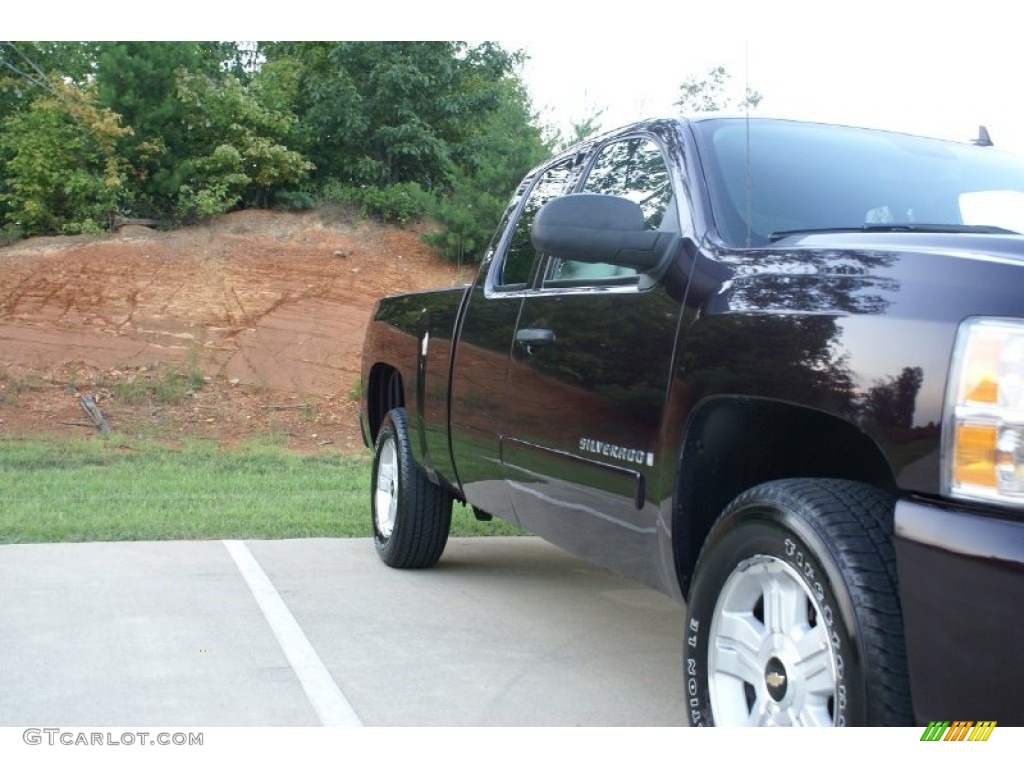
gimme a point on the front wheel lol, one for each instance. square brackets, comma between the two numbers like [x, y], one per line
[794, 615]
[411, 515]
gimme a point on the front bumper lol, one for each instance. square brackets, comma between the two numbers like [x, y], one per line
[962, 586]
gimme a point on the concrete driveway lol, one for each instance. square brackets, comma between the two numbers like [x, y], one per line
[504, 631]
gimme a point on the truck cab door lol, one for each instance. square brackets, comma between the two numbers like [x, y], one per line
[480, 367]
[590, 371]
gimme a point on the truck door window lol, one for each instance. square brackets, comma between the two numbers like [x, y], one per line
[519, 253]
[634, 169]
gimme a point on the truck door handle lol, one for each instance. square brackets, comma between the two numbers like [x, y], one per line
[528, 337]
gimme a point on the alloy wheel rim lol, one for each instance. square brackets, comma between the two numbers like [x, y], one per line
[770, 657]
[385, 501]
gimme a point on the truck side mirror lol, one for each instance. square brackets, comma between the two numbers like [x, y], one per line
[599, 229]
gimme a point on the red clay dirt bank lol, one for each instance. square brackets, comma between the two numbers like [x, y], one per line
[270, 308]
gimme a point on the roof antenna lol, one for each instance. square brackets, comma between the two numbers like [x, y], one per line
[746, 119]
[983, 140]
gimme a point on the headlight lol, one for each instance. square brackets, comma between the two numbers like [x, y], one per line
[983, 439]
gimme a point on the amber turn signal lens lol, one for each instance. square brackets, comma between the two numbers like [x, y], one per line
[974, 460]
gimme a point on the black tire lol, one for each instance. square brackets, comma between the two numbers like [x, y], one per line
[411, 515]
[794, 614]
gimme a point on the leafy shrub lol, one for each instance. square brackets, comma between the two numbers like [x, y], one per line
[394, 203]
[398, 202]
[61, 170]
[294, 200]
[212, 199]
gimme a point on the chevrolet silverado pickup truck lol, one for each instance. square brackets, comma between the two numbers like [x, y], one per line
[774, 369]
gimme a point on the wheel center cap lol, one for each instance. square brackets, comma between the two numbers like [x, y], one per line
[776, 679]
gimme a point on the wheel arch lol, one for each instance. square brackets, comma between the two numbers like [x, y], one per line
[732, 444]
[385, 390]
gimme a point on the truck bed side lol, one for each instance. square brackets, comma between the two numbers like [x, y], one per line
[407, 363]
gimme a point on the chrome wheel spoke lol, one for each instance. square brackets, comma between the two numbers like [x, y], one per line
[814, 717]
[785, 604]
[815, 664]
[738, 640]
[761, 715]
[738, 662]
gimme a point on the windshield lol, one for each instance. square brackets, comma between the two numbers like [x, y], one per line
[768, 178]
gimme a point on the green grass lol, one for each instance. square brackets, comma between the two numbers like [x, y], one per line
[122, 490]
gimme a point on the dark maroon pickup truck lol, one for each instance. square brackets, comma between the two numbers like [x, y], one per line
[773, 369]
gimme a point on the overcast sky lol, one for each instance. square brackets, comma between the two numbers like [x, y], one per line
[935, 68]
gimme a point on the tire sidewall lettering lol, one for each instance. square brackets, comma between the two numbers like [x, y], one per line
[801, 562]
[693, 672]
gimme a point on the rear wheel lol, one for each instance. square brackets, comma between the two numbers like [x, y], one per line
[794, 615]
[411, 515]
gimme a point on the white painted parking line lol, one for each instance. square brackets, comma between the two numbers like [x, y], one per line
[323, 693]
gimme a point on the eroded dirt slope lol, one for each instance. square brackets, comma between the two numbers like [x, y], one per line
[270, 308]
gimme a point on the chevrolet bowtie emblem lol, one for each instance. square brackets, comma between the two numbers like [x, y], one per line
[774, 679]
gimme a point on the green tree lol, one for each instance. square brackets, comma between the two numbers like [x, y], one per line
[508, 145]
[238, 146]
[27, 67]
[139, 81]
[710, 93]
[378, 113]
[397, 125]
[186, 128]
[62, 171]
